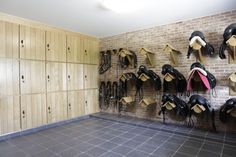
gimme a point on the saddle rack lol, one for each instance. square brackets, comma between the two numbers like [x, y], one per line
[198, 108]
[144, 77]
[147, 102]
[197, 45]
[127, 100]
[231, 42]
[169, 105]
[232, 84]
[150, 59]
[173, 54]
[126, 53]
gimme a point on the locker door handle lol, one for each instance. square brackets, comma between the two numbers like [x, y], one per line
[23, 78]
[23, 113]
[49, 110]
[48, 47]
[85, 76]
[68, 77]
[69, 106]
[85, 52]
[22, 43]
[68, 49]
[48, 78]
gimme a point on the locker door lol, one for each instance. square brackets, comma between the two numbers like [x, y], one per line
[75, 76]
[55, 46]
[9, 37]
[74, 49]
[91, 101]
[9, 77]
[56, 76]
[9, 114]
[91, 51]
[56, 106]
[32, 77]
[32, 43]
[91, 76]
[33, 110]
[76, 105]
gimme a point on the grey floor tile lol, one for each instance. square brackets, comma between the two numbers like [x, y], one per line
[193, 143]
[136, 153]
[15, 153]
[128, 135]
[204, 153]
[132, 143]
[33, 149]
[111, 154]
[96, 151]
[178, 154]
[146, 148]
[122, 150]
[118, 140]
[163, 153]
[45, 153]
[229, 151]
[213, 147]
[96, 141]
[58, 148]
[71, 152]
[171, 146]
[108, 145]
[188, 150]
[82, 147]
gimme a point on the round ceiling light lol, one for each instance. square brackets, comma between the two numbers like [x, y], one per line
[122, 6]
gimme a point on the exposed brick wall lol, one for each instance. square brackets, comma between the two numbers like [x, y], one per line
[177, 34]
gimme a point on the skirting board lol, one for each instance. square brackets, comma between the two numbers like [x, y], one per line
[44, 127]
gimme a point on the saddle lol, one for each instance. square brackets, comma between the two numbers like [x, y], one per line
[199, 105]
[173, 80]
[105, 64]
[206, 47]
[172, 102]
[228, 33]
[143, 75]
[199, 78]
[127, 58]
[228, 110]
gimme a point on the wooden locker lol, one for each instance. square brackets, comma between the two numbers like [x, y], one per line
[9, 76]
[91, 51]
[32, 43]
[74, 49]
[56, 106]
[76, 104]
[75, 77]
[32, 77]
[9, 37]
[33, 110]
[91, 101]
[90, 76]
[9, 114]
[56, 76]
[55, 46]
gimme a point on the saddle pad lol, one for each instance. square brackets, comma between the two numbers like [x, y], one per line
[199, 69]
[203, 78]
[195, 39]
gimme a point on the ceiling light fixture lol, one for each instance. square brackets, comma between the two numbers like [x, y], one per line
[122, 6]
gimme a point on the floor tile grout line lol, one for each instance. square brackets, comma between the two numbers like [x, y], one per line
[179, 147]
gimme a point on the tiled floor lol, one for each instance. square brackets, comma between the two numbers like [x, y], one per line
[105, 135]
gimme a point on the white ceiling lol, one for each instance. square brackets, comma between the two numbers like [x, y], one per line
[89, 17]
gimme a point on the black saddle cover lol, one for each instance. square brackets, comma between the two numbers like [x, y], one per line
[224, 114]
[179, 84]
[181, 109]
[207, 50]
[228, 33]
[200, 100]
[150, 73]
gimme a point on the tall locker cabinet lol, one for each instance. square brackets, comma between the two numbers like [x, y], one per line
[9, 78]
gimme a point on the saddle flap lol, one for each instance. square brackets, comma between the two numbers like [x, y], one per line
[232, 41]
[197, 108]
[168, 77]
[147, 101]
[169, 105]
[127, 100]
[144, 77]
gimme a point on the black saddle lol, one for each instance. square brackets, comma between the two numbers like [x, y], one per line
[207, 50]
[199, 100]
[179, 84]
[228, 33]
[226, 108]
[181, 108]
[153, 77]
[105, 64]
[210, 77]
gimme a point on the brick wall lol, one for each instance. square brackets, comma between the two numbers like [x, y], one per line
[177, 34]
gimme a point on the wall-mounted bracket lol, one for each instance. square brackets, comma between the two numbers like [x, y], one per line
[147, 102]
[173, 54]
[197, 43]
[149, 56]
[127, 100]
[231, 42]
